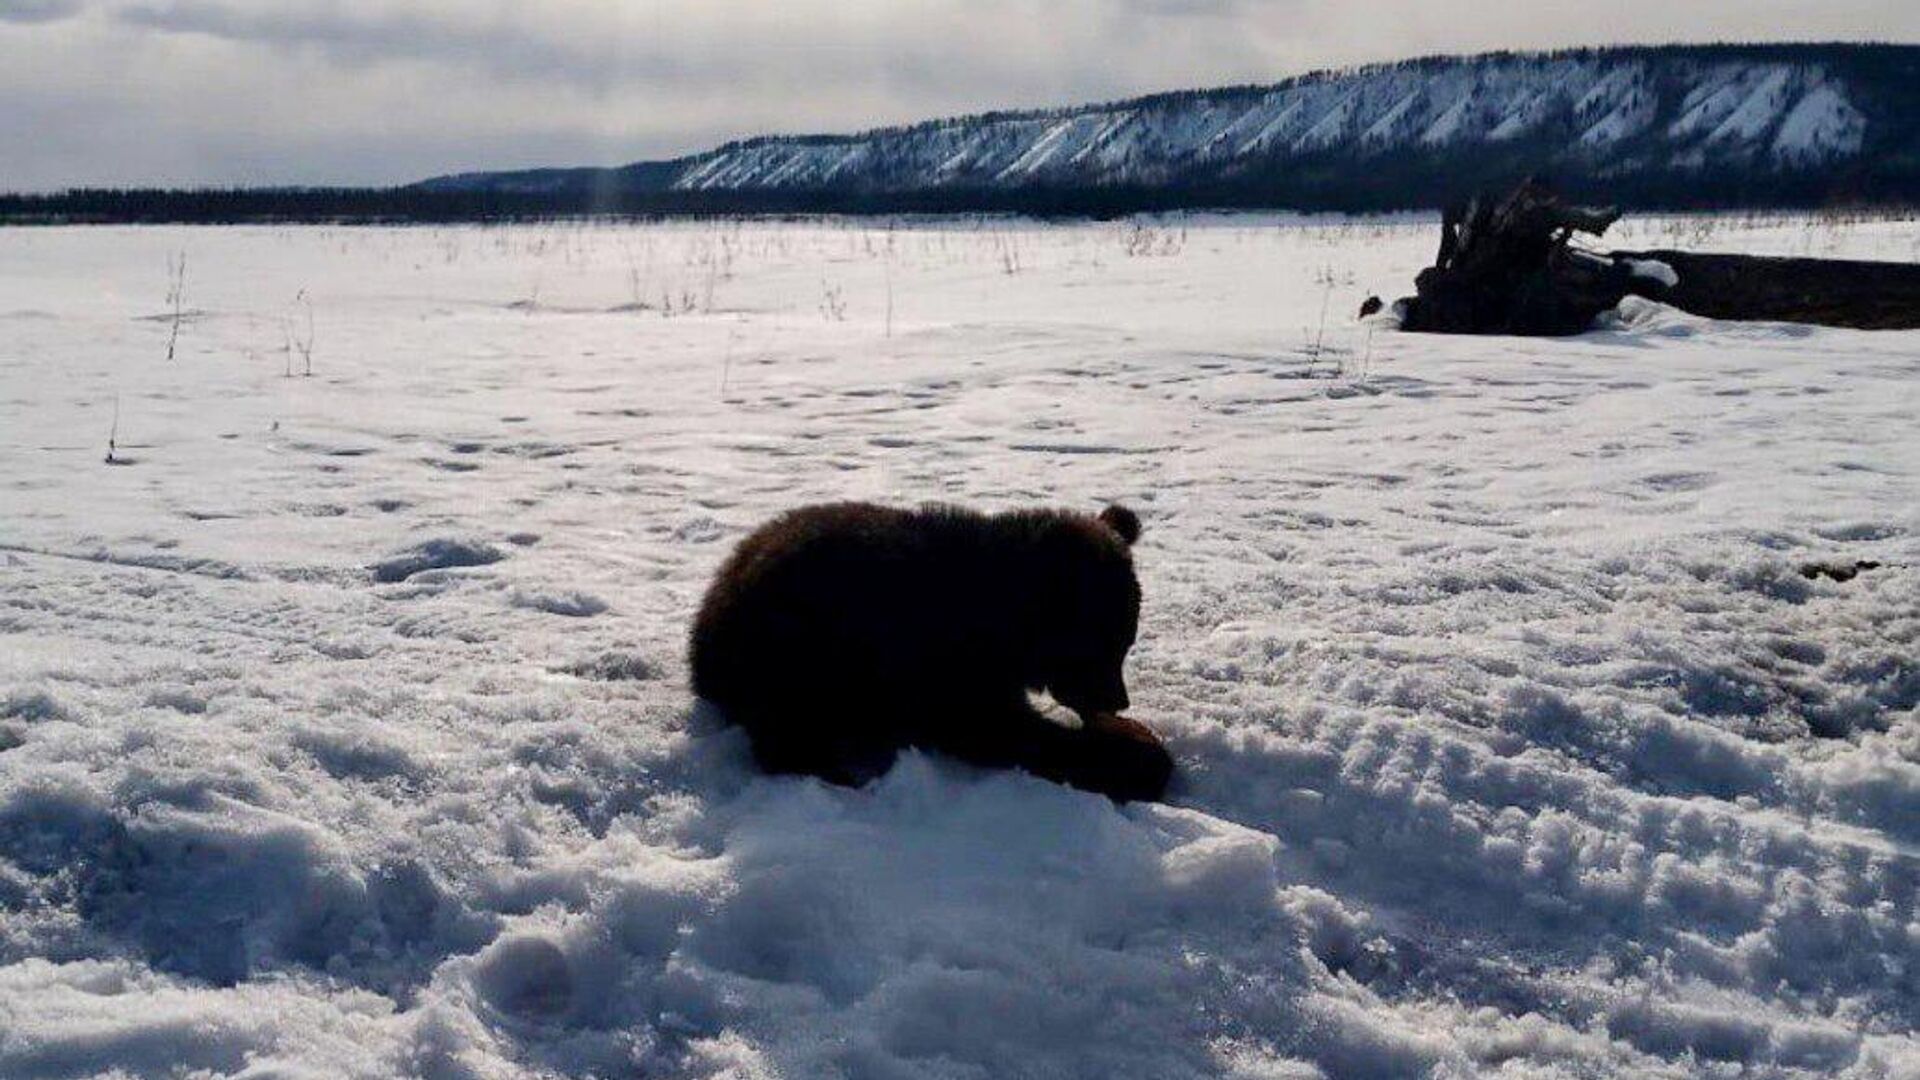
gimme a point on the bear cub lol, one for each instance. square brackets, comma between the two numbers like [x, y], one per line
[838, 634]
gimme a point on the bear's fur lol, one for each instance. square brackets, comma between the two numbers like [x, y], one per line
[836, 635]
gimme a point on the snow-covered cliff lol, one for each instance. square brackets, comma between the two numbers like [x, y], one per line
[1682, 115]
[1770, 113]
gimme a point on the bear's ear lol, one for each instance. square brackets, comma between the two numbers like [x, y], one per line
[1122, 521]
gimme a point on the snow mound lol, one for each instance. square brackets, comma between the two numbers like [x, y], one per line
[437, 554]
[996, 925]
[570, 603]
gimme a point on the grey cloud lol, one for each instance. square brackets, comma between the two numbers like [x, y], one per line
[362, 37]
[722, 46]
[350, 91]
[1187, 8]
[37, 11]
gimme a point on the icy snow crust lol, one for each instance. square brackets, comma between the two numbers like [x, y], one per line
[1769, 112]
[343, 733]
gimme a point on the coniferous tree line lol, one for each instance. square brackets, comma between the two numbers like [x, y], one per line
[1409, 182]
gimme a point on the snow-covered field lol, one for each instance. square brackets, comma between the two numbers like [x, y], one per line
[344, 730]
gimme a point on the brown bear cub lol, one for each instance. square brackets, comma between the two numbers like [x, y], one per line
[836, 635]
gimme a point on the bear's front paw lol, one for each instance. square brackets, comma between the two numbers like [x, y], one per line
[1122, 759]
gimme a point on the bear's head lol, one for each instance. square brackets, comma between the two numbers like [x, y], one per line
[1090, 610]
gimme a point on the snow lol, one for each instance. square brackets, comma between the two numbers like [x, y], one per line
[344, 733]
[1759, 111]
[1821, 123]
[1632, 115]
[1654, 270]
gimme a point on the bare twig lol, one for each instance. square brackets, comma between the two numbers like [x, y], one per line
[176, 293]
[305, 344]
[113, 433]
[726, 362]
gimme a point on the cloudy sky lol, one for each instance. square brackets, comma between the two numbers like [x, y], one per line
[374, 91]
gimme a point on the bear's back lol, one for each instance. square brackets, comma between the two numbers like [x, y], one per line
[822, 586]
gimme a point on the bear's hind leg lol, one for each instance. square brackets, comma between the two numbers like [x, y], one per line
[796, 747]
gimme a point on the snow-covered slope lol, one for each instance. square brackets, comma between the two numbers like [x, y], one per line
[1622, 114]
[1765, 112]
[345, 733]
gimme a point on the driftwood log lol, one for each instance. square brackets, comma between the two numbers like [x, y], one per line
[1831, 292]
[1507, 267]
